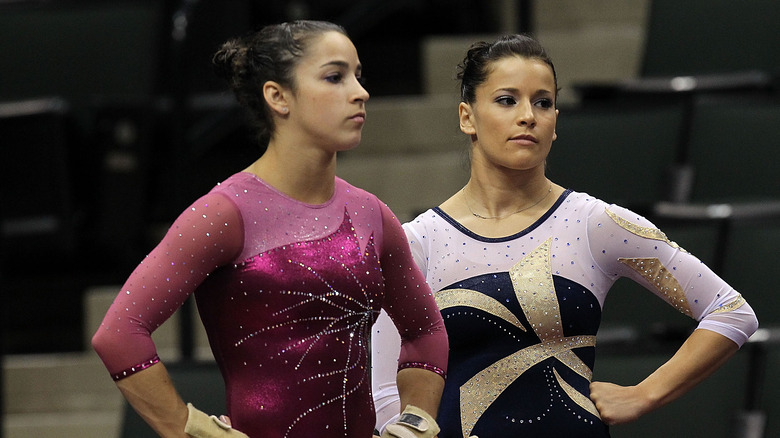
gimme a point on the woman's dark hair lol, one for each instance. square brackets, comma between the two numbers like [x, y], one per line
[475, 67]
[270, 54]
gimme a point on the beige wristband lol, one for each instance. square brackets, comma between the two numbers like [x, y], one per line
[413, 423]
[201, 425]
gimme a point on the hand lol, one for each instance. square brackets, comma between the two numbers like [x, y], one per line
[413, 423]
[618, 404]
[201, 425]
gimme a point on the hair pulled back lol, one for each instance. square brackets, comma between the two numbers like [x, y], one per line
[270, 54]
[475, 67]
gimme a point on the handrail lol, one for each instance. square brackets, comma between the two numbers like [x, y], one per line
[718, 211]
[679, 85]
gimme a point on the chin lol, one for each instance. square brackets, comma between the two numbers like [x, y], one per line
[350, 145]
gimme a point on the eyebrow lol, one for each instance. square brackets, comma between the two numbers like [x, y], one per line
[342, 64]
[515, 90]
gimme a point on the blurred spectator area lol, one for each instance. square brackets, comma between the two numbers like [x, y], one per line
[112, 122]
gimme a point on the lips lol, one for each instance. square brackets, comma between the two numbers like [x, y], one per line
[359, 117]
[524, 139]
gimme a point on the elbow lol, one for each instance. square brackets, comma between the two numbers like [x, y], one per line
[750, 320]
[99, 341]
[105, 340]
[752, 325]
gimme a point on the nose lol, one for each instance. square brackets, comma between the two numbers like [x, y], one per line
[525, 114]
[361, 93]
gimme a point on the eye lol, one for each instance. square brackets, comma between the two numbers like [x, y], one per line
[506, 100]
[334, 78]
[361, 80]
[544, 103]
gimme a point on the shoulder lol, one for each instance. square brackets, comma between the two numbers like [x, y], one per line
[213, 205]
[353, 192]
[617, 230]
[594, 209]
[429, 228]
[582, 202]
[360, 202]
[424, 221]
[236, 184]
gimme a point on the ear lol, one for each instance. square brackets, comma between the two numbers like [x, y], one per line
[275, 96]
[465, 114]
[555, 134]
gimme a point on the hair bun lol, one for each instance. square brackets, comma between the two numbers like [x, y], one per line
[229, 59]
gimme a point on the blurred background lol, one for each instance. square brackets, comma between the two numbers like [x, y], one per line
[111, 122]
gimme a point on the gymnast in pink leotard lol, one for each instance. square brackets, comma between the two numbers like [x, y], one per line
[289, 264]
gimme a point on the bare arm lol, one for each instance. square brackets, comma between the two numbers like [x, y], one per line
[151, 393]
[421, 388]
[700, 356]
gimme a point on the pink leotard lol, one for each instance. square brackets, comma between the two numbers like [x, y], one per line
[287, 292]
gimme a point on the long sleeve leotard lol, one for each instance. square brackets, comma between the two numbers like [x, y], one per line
[522, 312]
[287, 293]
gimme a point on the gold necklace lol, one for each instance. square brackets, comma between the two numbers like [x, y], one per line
[479, 216]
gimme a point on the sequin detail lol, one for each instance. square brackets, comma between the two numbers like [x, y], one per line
[463, 297]
[424, 366]
[534, 289]
[535, 292]
[576, 396]
[319, 296]
[735, 304]
[134, 369]
[483, 389]
[662, 280]
[646, 232]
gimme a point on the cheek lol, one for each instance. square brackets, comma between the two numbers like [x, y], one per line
[550, 127]
[495, 127]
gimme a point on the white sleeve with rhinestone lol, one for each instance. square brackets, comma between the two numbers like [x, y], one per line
[625, 244]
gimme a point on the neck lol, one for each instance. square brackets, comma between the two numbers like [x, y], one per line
[496, 203]
[305, 174]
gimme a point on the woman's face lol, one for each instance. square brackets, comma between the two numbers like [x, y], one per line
[329, 102]
[512, 120]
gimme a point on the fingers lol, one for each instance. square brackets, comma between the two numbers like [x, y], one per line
[202, 425]
[413, 423]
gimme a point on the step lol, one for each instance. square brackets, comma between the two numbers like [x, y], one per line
[408, 183]
[594, 54]
[410, 124]
[440, 56]
[93, 424]
[584, 53]
[61, 383]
